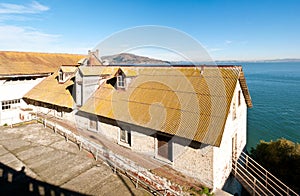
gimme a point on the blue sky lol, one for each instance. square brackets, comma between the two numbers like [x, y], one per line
[241, 30]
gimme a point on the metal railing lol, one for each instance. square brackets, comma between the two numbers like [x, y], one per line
[138, 175]
[256, 179]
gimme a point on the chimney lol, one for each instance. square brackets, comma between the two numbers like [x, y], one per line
[97, 53]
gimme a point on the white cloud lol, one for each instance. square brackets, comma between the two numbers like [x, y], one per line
[9, 17]
[25, 38]
[227, 42]
[32, 8]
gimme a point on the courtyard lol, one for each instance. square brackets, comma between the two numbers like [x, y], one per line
[36, 161]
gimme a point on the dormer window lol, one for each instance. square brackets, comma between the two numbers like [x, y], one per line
[120, 81]
[66, 72]
[61, 76]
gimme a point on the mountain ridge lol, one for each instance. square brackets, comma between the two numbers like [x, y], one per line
[128, 58]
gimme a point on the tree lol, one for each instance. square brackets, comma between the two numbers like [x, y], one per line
[281, 158]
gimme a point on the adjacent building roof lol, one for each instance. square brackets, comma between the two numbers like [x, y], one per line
[106, 70]
[68, 68]
[28, 63]
[189, 102]
[97, 70]
[51, 92]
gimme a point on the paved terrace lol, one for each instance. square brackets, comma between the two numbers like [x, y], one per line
[35, 161]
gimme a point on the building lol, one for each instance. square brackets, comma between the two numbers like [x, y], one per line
[60, 94]
[54, 95]
[192, 118]
[19, 73]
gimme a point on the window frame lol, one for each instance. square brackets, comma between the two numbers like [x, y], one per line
[165, 142]
[60, 76]
[239, 98]
[94, 122]
[10, 104]
[120, 81]
[127, 140]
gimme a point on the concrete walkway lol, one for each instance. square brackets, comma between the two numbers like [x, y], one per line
[159, 168]
[35, 161]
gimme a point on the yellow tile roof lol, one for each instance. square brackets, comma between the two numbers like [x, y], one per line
[52, 92]
[128, 71]
[179, 101]
[97, 70]
[14, 63]
[68, 68]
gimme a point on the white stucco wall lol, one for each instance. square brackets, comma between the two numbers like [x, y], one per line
[85, 86]
[16, 89]
[89, 85]
[12, 90]
[222, 156]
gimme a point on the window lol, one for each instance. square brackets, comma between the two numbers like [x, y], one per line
[120, 81]
[239, 98]
[234, 111]
[164, 147]
[10, 104]
[93, 124]
[125, 136]
[60, 76]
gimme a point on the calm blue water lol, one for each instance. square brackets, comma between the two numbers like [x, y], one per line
[275, 93]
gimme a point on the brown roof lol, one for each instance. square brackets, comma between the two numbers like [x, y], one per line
[26, 63]
[182, 101]
[52, 92]
[68, 68]
[97, 70]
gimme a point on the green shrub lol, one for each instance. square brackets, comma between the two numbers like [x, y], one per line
[281, 158]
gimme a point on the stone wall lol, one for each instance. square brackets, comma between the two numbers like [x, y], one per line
[143, 143]
[109, 131]
[194, 162]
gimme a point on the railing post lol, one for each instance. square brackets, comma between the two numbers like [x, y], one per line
[137, 180]
[67, 138]
[254, 187]
[246, 162]
[267, 179]
[235, 167]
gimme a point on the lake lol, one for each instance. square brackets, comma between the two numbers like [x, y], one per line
[275, 93]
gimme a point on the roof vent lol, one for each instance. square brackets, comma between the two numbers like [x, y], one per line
[202, 70]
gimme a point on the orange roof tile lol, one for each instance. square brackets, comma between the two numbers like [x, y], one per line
[52, 92]
[68, 68]
[26, 63]
[179, 101]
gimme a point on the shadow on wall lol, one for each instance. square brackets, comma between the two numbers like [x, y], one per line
[14, 182]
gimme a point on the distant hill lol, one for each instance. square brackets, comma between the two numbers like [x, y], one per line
[128, 59]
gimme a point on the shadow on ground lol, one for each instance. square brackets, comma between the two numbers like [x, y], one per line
[14, 182]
